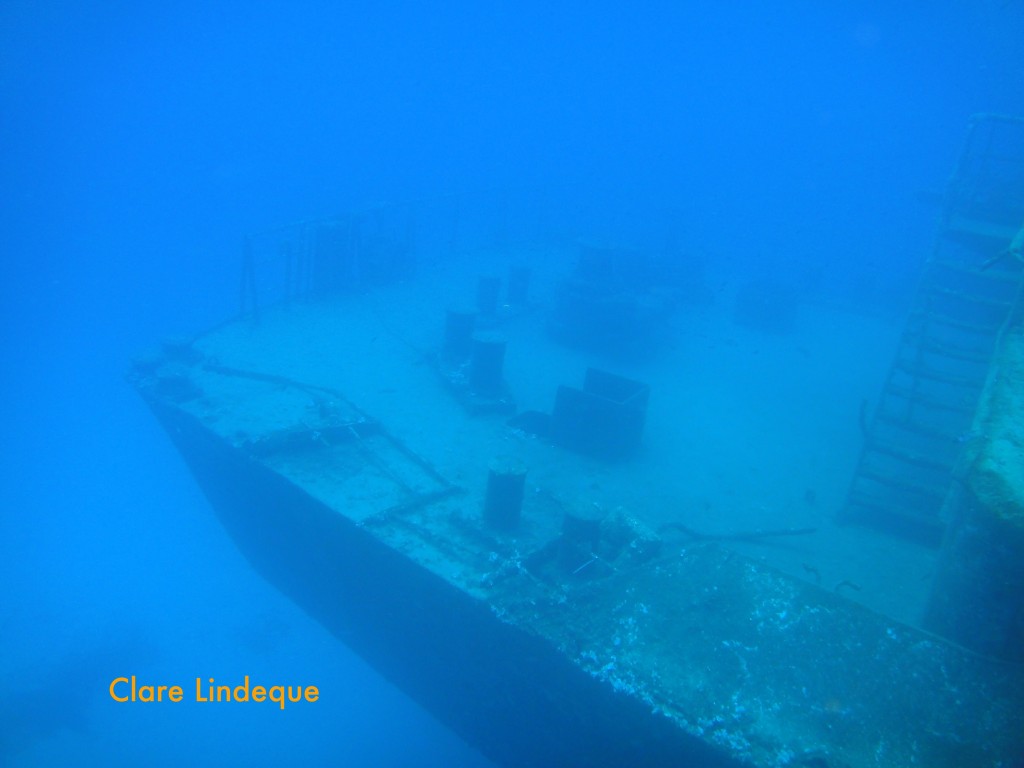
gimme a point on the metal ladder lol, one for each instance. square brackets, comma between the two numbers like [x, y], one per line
[968, 294]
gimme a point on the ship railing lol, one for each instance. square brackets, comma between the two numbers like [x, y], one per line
[320, 257]
[987, 186]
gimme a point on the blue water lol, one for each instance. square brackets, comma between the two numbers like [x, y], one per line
[138, 142]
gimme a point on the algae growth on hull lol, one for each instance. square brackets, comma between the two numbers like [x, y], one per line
[997, 476]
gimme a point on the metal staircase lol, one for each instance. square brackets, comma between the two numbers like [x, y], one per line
[969, 292]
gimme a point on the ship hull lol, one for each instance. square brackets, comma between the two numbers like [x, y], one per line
[511, 694]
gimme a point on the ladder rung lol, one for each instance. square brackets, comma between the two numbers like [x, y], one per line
[865, 500]
[921, 336]
[902, 485]
[908, 457]
[970, 298]
[996, 275]
[924, 373]
[935, 317]
[928, 402]
[953, 354]
[952, 351]
[860, 499]
[918, 429]
[893, 511]
[959, 226]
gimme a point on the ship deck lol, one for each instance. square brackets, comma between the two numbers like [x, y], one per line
[789, 650]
